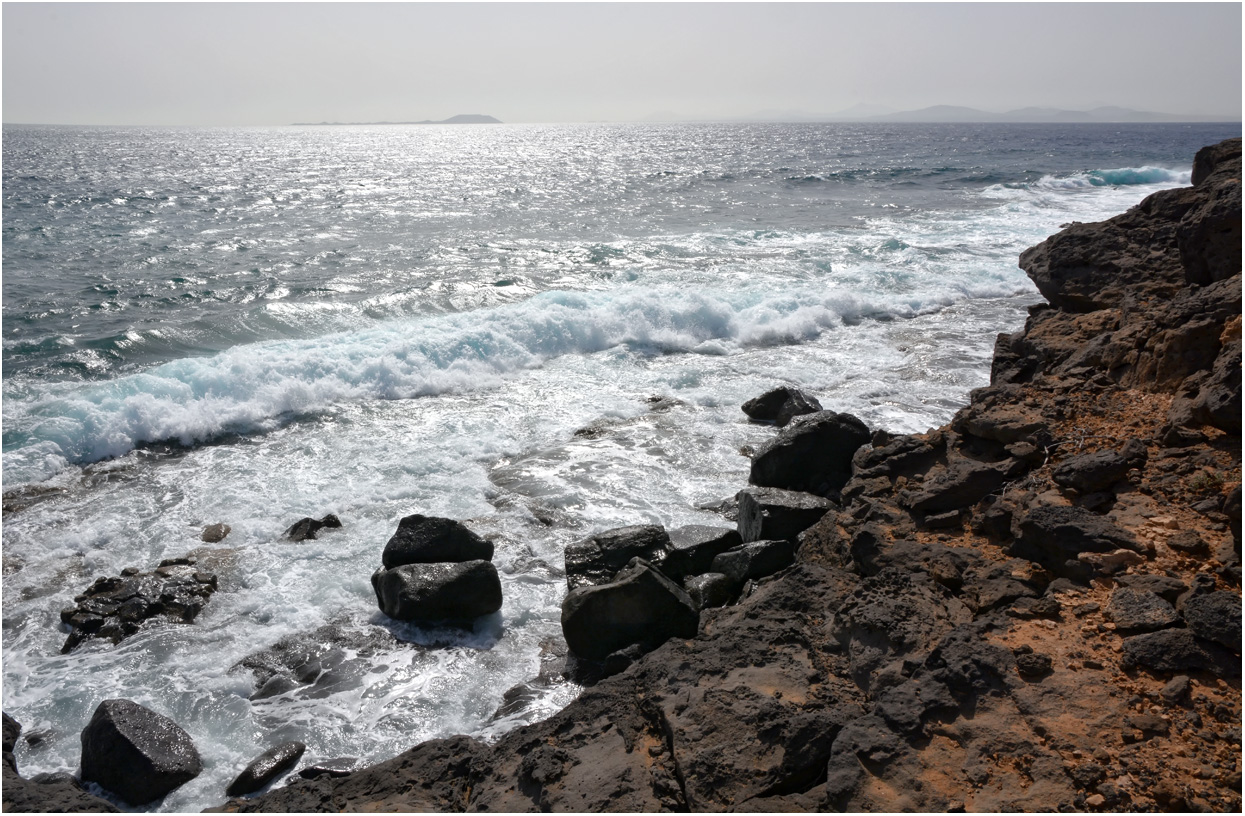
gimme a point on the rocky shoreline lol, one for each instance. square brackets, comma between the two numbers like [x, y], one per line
[1035, 607]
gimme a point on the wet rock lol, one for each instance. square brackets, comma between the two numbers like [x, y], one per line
[597, 559]
[430, 539]
[308, 528]
[692, 549]
[1134, 610]
[214, 533]
[265, 768]
[139, 755]
[772, 513]
[640, 606]
[755, 559]
[813, 453]
[298, 660]
[781, 405]
[444, 591]
[332, 768]
[115, 608]
[709, 590]
[1216, 616]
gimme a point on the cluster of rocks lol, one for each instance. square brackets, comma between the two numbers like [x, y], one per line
[435, 569]
[113, 608]
[135, 754]
[1035, 607]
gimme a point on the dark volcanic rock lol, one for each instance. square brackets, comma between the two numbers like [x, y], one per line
[1134, 610]
[115, 608]
[442, 591]
[767, 513]
[1053, 535]
[692, 549]
[304, 659]
[755, 559]
[1216, 616]
[214, 533]
[429, 539]
[964, 483]
[1176, 650]
[1091, 471]
[1209, 234]
[709, 590]
[639, 606]
[307, 528]
[267, 767]
[136, 753]
[781, 405]
[813, 453]
[598, 558]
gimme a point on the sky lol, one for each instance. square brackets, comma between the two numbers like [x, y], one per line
[279, 63]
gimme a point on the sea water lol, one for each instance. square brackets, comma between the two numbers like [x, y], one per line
[250, 326]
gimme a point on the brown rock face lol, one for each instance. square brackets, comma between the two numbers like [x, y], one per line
[964, 629]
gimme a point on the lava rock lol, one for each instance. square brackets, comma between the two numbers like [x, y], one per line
[755, 559]
[813, 453]
[445, 591]
[709, 590]
[693, 548]
[1188, 542]
[964, 483]
[639, 606]
[1173, 650]
[306, 529]
[781, 405]
[1216, 616]
[1033, 664]
[1091, 471]
[136, 753]
[597, 559]
[115, 608]
[267, 767]
[1052, 535]
[772, 513]
[1134, 610]
[430, 539]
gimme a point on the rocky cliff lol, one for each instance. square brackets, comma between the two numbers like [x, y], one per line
[1035, 607]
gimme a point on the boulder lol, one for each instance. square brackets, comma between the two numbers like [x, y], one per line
[267, 767]
[1215, 616]
[214, 533]
[1091, 472]
[1209, 234]
[115, 608]
[709, 590]
[1135, 610]
[1053, 535]
[1175, 650]
[813, 453]
[443, 591]
[767, 513]
[781, 405]
[307, 528]
[598, 558]
[755, 559]
[429, 540]
[136, 753]
[964, 483]
[640, 606]
[692, 549]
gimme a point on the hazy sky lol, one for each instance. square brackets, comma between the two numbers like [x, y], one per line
[252, 63]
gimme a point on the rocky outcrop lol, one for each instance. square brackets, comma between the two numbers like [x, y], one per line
[45, 793]
[114, 608]
[306, 529]
[781, 405]
[136, 753]
[1031, 608]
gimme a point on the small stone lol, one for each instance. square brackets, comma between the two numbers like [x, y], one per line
[1096, 800]
[1033, 665]
[214, 533]
[1177, 689]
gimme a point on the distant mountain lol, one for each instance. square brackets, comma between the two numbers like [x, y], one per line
[460, 119]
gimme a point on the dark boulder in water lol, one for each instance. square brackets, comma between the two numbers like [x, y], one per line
[136, 753]
[640, 606]
[430, 539]
[115, 608]
[813, 453]
[266, 768]
[692, 549]
[597, 559]
[214, 533]
[781, 405]
[445, 591]
[306, 529]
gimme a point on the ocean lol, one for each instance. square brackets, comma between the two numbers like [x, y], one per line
[543, 330]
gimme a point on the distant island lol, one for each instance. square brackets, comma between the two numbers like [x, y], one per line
[460, 119]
